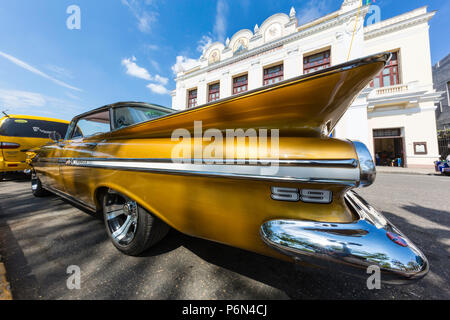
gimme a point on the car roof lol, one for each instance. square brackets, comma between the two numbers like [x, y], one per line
[126, 103]
[18, 116]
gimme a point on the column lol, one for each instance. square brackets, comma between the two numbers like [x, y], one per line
[225, 85]
[255, 75]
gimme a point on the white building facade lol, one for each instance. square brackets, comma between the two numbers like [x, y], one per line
[394, 116]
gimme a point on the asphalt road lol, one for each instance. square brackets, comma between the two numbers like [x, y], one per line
[40, 238]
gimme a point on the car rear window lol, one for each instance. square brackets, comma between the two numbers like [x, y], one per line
[28, 128]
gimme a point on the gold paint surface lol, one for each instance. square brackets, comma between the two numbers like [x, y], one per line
[225, 210]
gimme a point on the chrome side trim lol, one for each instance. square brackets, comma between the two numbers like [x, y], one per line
[71, 199]
[349, 247]
[343, 172]
[345, 176]
[351, 163]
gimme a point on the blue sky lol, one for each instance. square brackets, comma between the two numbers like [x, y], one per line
[127, 50]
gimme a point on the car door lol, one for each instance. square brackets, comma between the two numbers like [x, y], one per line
[86, 133]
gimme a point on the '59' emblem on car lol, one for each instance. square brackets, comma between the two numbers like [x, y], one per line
[305, 195]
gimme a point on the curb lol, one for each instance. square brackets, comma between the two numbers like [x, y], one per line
[409, 172]
[5, 288]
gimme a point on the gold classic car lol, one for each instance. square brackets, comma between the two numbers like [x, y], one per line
[18, 133]
[257, 171]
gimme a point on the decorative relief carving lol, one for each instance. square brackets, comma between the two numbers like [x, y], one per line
[214, 56]
[240, 45]
[273, 32]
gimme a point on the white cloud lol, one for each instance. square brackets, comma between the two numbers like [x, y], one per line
[145, 18]
[161, 80]
[32, 103]
[72, 96]
[158, 88]
[134, 70]
[184, 63]
[155, 65]
[204, 44]
[32, 69]
[61, 72]
[139, 72]
[13, 99]
[152, 46]
[220, 25]
[219, 30]
[312, 10]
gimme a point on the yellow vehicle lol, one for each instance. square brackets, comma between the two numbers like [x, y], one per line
[204, 172]
[20, 133]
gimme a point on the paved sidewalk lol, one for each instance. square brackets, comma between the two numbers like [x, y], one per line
[41, 237]
[420, 171]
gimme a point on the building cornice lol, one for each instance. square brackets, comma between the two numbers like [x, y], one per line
[336, 20]
[397, 112]
[401, 17]
[408, 98]
[370, 33]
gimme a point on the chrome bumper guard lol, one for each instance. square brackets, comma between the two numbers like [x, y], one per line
[350, 247]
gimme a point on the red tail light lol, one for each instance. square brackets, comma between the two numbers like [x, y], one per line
[9, 145]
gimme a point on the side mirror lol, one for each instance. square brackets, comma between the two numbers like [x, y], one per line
[55, 136]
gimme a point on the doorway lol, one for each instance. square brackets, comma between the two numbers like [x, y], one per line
[389, 147]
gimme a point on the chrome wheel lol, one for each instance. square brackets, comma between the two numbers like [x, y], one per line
[121, 214]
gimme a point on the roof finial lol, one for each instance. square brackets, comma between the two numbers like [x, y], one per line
[256, 29]
[292, 13]
[227, 42]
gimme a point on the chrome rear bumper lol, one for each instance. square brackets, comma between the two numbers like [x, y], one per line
[350, 247]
